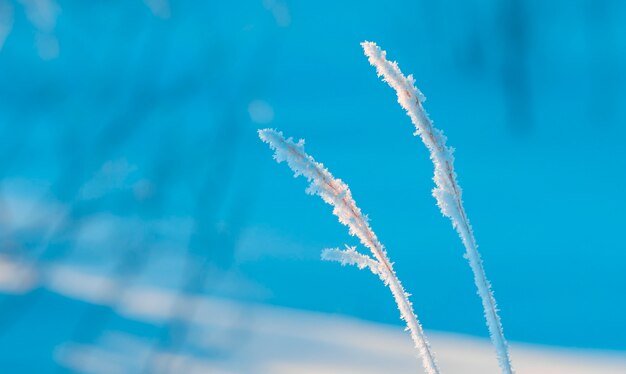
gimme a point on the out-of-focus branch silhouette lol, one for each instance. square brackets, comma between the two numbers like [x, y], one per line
[213, 242]
[514, 23]
[205, 169]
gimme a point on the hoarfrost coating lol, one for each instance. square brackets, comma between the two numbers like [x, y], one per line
[447, 192]
[336, 193]
[350, 256]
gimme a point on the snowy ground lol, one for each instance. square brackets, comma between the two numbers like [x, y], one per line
[235, 337]
[290, 341]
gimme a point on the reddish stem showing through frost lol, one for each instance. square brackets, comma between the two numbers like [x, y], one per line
[459, 206]
[376, 248]
[350, 204]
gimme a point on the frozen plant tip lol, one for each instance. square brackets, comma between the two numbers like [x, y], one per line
[336, 193]
[350, 256]
[447, 191]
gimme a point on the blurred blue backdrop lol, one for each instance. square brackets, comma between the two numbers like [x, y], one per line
[128, 152]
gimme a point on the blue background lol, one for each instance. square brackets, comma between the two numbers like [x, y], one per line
[529, 94]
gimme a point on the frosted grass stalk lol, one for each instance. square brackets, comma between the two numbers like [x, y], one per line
[447, 191]
[336, 193]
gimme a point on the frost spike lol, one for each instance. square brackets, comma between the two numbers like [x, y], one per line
[336, 193]
[447, 190]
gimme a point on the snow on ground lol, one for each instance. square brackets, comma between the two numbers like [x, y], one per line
[234, 337]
